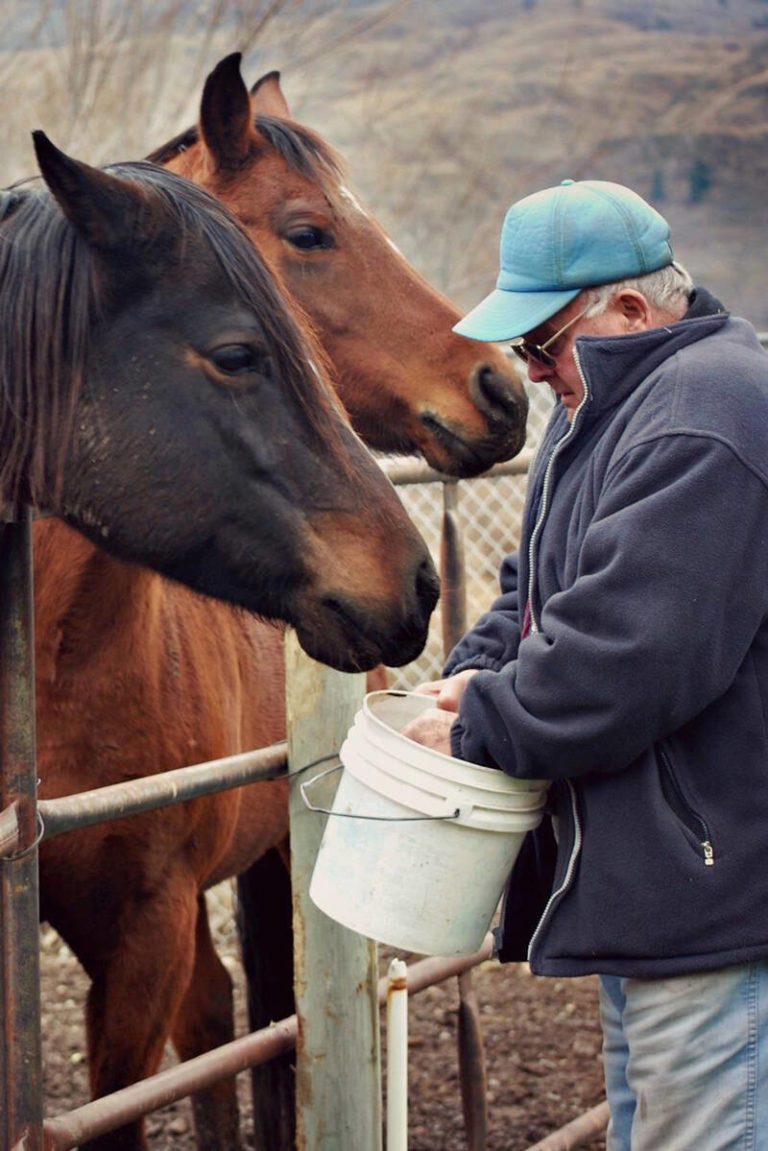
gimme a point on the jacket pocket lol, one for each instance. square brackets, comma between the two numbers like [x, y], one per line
[695, 823]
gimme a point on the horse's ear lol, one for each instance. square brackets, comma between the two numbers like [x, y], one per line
[225, 114]
[107, 211]
[267, 97]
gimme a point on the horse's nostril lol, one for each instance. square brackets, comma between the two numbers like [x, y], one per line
[427, 585]
[499, 395]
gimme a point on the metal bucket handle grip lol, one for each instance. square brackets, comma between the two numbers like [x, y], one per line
[351, 815]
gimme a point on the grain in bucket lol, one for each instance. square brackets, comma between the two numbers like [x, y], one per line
[418, 845]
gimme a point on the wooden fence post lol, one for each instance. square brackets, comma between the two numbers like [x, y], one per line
[21, 1070]
[338, 1081]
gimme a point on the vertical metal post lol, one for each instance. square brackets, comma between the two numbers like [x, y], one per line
[20, 1047]
[473, 1077]
[472, 1071]
[453, 598]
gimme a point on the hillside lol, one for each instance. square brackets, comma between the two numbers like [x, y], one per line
[446, 110]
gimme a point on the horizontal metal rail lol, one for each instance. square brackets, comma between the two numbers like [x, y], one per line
[131, 1103]
[111, 1111]
[119, 800]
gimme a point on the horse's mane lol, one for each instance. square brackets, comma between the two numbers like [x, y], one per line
[301, 148]
[46, 301]
[54, 288]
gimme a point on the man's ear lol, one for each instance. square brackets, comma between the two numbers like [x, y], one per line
[635, 310]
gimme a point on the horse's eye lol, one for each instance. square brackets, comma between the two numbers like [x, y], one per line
[310, 239]
[237, 359]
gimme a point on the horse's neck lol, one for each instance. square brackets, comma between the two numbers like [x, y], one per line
[113, 639]
[85, 601]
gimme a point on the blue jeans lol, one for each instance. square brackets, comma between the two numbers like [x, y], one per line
[686, 1060]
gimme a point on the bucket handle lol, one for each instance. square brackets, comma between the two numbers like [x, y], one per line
[351, 815]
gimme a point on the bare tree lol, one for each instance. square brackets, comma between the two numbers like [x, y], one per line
[110, 79]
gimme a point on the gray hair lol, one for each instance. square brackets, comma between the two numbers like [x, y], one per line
[668, 289]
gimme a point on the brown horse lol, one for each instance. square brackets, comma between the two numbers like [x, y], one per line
[135, 676]
[408, 382]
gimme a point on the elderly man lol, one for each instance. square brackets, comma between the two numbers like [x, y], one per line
[627, 662]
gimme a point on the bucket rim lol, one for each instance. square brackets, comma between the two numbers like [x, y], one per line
[525, 784]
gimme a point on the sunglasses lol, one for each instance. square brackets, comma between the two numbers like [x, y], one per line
[527, 350]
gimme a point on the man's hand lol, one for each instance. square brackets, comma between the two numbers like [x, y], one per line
[448, 692]
[433, 729]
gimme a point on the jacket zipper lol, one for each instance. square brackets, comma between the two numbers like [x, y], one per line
[545, 491]
[695, 823]
[555, 897]
[561, 890]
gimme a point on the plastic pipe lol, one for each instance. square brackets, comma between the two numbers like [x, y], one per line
[397, 1056]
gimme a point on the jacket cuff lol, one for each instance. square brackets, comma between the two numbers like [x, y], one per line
[481, 662]
[456, 733]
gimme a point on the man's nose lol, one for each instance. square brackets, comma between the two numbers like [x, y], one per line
[538, 372]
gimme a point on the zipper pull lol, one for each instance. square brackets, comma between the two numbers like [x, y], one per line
[709, 853]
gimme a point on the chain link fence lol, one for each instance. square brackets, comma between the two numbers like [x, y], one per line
[490, 513]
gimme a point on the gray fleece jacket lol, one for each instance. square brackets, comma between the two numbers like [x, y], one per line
[627, 661]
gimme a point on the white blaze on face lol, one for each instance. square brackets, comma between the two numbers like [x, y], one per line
[355, 204]
[352, 200]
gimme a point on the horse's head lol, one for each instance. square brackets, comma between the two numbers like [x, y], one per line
[408, 382]
[197, 435]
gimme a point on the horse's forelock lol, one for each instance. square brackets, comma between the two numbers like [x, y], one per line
[301, 148]
[52, 291]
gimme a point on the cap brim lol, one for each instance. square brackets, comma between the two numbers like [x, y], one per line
[506, 315]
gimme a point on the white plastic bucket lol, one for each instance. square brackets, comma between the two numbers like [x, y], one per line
[418, 845]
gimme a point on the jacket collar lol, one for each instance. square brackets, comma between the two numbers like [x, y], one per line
[613, 367]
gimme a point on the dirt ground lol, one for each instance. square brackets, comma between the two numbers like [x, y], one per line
[542, 1046]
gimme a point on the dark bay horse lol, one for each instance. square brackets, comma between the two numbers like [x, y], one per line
[157, 393]
[136, 676]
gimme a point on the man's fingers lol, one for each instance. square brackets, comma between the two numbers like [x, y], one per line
[433, 730]
[434, 687]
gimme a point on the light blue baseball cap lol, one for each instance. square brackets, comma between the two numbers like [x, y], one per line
[559, 241]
